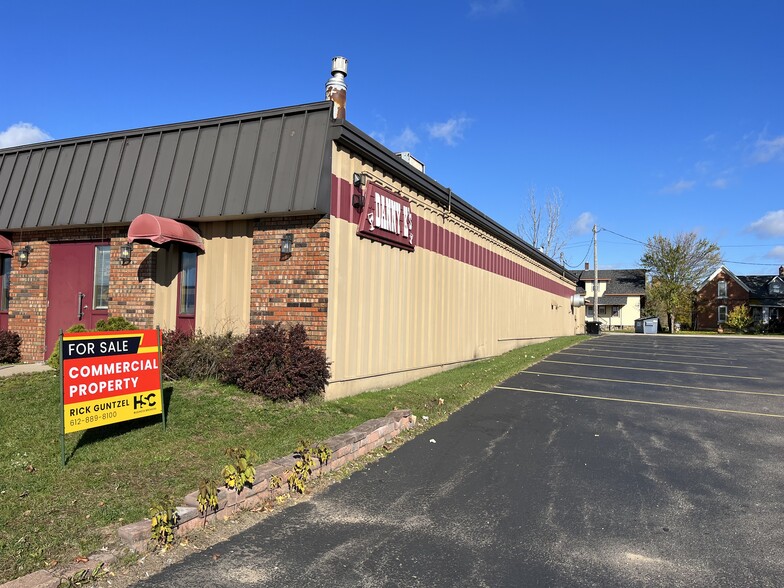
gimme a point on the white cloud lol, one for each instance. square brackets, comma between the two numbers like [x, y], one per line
[770, 225]
[584, 223]
[766, 150]
[776, 253]
[490, 7]
[720, 183]
[405, 141]
[451, 131]
[678, 187]
[22, 133]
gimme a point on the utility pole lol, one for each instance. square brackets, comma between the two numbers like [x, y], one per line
[595, 278]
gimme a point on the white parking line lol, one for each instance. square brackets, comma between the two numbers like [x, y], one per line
[647, 402]
[619, 345]
[724, 365]
[615, 381]
[653, 353]
[641, 369]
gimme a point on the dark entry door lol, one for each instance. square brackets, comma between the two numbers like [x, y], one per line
[78, 287]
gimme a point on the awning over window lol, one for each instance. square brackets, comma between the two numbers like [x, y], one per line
[161, 230]
[6, 247]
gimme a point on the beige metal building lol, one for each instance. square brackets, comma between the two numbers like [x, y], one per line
[290, 215]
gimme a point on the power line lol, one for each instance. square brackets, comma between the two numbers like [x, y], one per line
[748, 262]
[590, 244]
[623, 236]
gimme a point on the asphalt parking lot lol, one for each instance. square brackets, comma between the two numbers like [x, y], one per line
[627, 460]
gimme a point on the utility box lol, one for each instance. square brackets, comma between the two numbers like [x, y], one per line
[648, 325]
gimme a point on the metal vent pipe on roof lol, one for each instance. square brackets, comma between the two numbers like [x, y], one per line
[336, 87]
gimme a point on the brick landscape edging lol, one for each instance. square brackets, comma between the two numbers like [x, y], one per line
[345, 447]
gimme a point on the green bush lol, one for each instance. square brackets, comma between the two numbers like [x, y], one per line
[115, 323]
[739, 318]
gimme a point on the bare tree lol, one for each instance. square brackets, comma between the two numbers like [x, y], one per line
[541, 224]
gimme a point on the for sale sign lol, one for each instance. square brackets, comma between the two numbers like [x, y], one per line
[109, 377]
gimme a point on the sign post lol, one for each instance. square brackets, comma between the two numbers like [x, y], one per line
[108, 377]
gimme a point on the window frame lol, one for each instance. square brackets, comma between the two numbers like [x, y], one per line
[106, 254]
[721, 284]
[186, 321]
[6, 266]
[722, 307]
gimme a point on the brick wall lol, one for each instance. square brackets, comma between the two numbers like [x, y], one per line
[707, 301]
[28, 291]
[294, 289]
[131, 288]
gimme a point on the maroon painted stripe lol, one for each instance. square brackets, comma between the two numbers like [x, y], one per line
[432, 237]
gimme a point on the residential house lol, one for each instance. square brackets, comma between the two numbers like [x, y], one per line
[621, 296]
[723, 291]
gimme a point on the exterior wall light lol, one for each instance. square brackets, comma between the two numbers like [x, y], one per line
[358, 198]
[23, 255]
[287, 244]
[125, 253]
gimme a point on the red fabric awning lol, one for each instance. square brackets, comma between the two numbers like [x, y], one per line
[6, 247]
[160, 230]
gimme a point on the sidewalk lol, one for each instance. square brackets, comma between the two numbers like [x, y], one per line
[23, 368]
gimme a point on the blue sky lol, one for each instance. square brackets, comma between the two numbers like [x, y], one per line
[649, 117]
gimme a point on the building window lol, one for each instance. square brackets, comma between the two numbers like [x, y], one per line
[589, 311]
[5, 282]
[775, 287]
[722, 289]
[616, 310]
[722, 314]
[101, 278]
[602, 310]
[187, 291]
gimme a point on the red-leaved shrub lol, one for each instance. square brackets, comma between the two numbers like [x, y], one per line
[9, 347]
[174, 348]
[277, 363]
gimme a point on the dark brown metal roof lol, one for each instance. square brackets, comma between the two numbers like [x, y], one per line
[267, 162]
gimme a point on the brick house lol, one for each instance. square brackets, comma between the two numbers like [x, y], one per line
[290, 214]
[621, 296]
[723, 291]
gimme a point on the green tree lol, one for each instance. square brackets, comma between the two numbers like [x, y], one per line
[739, 318]
[676, 266]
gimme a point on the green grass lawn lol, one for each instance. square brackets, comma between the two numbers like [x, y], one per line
[114, 473]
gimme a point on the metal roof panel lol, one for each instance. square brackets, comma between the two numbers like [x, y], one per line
[241, 165]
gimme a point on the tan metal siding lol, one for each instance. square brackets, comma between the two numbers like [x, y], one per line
[222, 280]
[398, 315]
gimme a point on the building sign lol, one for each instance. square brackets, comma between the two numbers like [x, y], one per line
[109, 377]
[387, 217]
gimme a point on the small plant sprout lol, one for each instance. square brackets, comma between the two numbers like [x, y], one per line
[324, 454]
[302, 468]
[163, 519]
[208, 496]
[240, 472]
